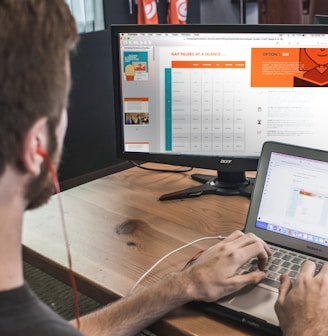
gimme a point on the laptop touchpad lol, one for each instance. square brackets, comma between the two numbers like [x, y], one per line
[256, 301]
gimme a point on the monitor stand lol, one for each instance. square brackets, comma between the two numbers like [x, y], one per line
[226, 184]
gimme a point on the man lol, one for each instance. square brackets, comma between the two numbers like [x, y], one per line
[35, 39]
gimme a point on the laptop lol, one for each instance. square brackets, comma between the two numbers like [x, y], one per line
[288, 210]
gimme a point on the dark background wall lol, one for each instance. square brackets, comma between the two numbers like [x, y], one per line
[291, 11]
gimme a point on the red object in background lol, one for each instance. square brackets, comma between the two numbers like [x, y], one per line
[147, 12]
[177, 11]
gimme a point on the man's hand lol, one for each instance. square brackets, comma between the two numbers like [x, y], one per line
[213, 275]
[302, 308]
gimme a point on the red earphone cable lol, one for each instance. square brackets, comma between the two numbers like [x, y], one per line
[69, 257]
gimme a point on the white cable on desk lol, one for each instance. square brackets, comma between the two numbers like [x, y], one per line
[169, 254]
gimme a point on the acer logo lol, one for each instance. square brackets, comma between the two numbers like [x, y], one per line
[314, 248]
[225, 161]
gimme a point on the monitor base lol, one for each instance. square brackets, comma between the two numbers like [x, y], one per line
[225, 184]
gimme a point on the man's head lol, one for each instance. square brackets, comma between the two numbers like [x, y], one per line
[35, 39]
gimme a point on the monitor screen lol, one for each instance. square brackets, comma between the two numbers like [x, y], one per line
[209, 96]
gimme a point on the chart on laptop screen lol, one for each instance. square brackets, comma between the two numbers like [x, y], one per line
[295, 198]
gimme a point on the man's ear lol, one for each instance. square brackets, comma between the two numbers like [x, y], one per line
[36, 139]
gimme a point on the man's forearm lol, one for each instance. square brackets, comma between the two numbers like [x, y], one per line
[131, 314]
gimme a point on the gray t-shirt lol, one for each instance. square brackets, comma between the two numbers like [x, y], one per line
[22, 313]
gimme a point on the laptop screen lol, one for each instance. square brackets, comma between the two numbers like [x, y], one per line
[295, 198]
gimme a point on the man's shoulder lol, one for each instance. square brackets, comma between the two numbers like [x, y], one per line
[22, 313]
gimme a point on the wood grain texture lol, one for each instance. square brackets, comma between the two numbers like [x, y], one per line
[118, 229]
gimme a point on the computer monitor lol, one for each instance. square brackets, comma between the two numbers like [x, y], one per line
[209, 96]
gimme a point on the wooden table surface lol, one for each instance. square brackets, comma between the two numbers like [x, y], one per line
[118, 229]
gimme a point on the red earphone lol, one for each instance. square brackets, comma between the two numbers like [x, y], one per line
[41, 151]
[51, 167]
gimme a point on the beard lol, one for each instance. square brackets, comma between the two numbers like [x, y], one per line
[40, 189]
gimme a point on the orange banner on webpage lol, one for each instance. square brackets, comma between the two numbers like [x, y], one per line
[134, 99]
[289, 67]
[208, 64]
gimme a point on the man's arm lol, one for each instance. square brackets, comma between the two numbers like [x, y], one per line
[210, 277]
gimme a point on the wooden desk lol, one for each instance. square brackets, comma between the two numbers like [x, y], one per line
[118, 229]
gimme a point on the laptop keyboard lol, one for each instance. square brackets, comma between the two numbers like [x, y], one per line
[281, 261]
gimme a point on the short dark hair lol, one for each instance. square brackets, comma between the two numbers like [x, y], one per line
[35, 39]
